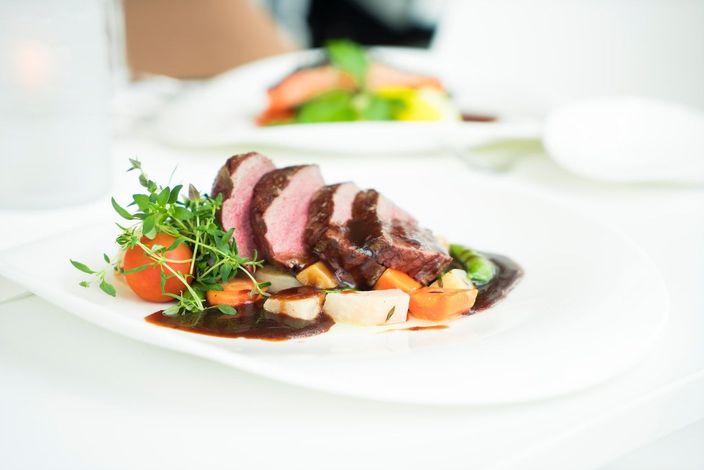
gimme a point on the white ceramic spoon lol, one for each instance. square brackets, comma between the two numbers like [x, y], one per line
[628, 139]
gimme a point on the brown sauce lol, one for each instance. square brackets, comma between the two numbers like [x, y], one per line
[474, 117]
[251, 321]
[508, 275]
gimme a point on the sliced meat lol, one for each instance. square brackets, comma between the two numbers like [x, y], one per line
[280, 214]
[331, 205]
[394, 238]
[235, 181]
[352, 264]
[326, 235]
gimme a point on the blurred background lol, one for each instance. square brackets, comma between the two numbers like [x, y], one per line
[105, 66]
[195, 39]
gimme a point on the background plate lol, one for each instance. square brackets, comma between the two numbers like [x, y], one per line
[223, 111]
[590, 305]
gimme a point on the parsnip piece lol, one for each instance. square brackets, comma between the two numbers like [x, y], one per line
[278, 278]
[367, 308]
[454, 279]
[301, 305]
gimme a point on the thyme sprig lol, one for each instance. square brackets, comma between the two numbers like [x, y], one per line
[189, 219]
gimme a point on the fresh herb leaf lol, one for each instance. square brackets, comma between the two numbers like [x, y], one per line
[138, 269]
[163, 196]
[333, 106]
[120, 210]
[173, 197]
[149, 227]
[82, 267]
[227, 310]
[181, 213]
[192, 221]
[84, 284]
[108, 288]
[350, 57]
[390, 314]
[379, 108]
[171, 311]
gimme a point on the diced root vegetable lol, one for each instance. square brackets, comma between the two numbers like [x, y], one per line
[235, 292]
[395, 279]
[279, 280]
[304, 306]
[317, 275]
[454, 279]
[436, 304]
[367, 308]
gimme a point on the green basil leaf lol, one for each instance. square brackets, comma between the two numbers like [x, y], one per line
[350, 57]
[377, 108]
[333, 106]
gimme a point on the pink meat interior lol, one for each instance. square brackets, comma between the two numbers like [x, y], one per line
[235, 210]
[342, 203]
[387, 211]
[287, 215]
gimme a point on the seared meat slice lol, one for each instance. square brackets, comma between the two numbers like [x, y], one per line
[379, 235]
[395, 240]
[326, 235]
[280, 214]
[235, 181]
[331, 205]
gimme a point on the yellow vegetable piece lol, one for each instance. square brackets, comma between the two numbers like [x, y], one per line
[454, 279]
[421, 104]
[317, 275]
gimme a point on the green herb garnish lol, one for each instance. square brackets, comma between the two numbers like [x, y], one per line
[191, 220]
[390, 314]
[349, 57]
[349, 105]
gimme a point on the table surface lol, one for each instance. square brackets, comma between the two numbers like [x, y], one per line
[75, 396]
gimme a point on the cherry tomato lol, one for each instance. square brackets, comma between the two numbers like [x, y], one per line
[147, 282]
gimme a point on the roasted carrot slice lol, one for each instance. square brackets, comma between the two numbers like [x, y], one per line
[235, 292]
[432, 303]
[395, 279]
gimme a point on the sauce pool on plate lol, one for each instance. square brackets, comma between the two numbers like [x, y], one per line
[253, 322]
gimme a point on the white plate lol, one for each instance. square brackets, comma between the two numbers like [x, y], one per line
[223, 111]
[590, 305]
